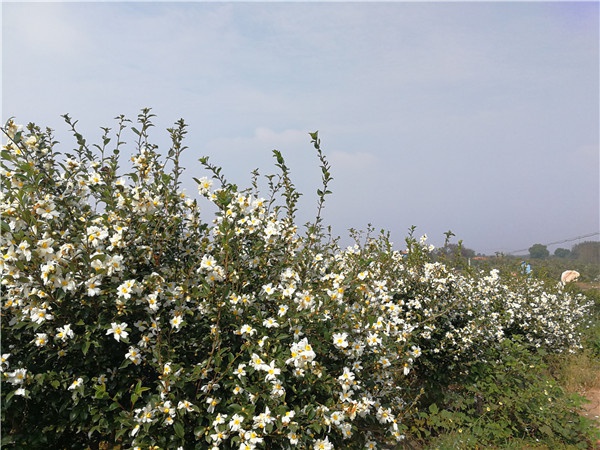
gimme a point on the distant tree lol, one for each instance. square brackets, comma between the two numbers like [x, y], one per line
[538, 251]
[454, 250]
[562, 253]
[588, 252]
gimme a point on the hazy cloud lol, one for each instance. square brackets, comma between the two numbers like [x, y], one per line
[481, 117]
[355, 161]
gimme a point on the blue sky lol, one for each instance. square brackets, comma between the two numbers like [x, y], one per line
[476, 117]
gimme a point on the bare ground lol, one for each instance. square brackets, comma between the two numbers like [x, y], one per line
[592, 409]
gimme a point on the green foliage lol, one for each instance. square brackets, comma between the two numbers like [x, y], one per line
[538, 251]
[562, 253]
[548, 270]
[588, 252]
[508, 396]
[130, 319]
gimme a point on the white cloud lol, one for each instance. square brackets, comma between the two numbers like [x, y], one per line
[484, 93]
[589, 152]
[43, 30]
[263, 139]
[353, 161]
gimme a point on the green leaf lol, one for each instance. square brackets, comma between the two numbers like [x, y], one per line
[4, 226]
[8, 397]
[113, 406]
[278, 156]
[433, 408]
[199, 431]
[101, 392]
[120, 432]
[179, 431]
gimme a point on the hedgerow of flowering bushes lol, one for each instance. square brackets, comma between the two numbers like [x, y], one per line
[129, 318]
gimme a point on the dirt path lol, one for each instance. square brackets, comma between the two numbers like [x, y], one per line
[592, 409]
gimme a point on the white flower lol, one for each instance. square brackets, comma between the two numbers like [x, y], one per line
[384, 415]
[208, 263]
[76, 383]
[323, 444]
[271, 323]
[385, 362]
[301, 354]
[24, 250]
[296, 330]
[125, 289]
[145, 415]
[96, 235]
[277, 389]
[416, 351]
[287, 417]
[4, 362]
[236, 422]
[176, 321]
[134, 355]
[212, 403]
[293, 438]
[204, 185]
[39, 315]
[373, 339]
[17, 377]
[44, 247]
[218, 438]
[263, 419]
[247, 330]
[64, 333]
[31, 141]
[340, 340]
[346, 429]
[114, 264]
[347, 376]
[184, 404]
[152, 300]
[167, 409]
[41, 339]
[93, 285]
[240, 372]
[219, 419]
[271, 370]
[256, 361]
[21, 392]
[118, 331]
[282, 310]
[268, 289]
[337, 417]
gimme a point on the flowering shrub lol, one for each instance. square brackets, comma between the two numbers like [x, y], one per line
[131, 319]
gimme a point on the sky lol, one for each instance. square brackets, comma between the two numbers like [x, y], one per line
[477, 117]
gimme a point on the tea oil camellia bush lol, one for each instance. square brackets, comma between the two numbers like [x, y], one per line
[132, 317]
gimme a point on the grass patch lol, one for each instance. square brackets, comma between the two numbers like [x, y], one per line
[577, 373]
